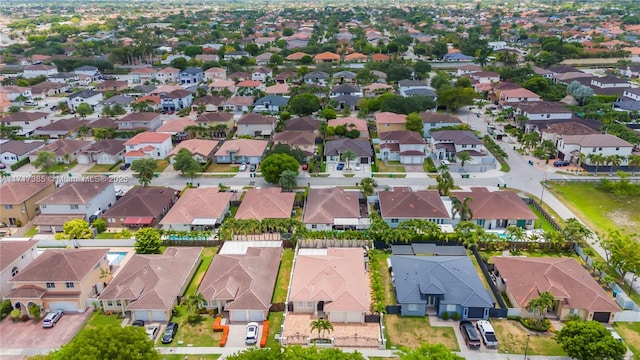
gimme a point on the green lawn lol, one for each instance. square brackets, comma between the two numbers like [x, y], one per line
[598, 209]
[197, 334]
[275, 321]
[386, 277]
[98, 318]
[630, 333]
[101, 168]
[214, 167]
[190, 357]
[161, 165]
[512, 338]
[32, 232]
[207, 257]
[61, 167]
[541, 223]
[284, 275]
[391, 166]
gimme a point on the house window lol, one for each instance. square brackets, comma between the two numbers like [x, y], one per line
[412, 307]
[8, 207]
[464, 146]
[300, 304]
[109, 303]
[118, 303]
[310, 304]
[14, 271]
[70, 285]
[74, 207]
[574, 311]
[51, 285]
[112, 220]
[617, 148]
[594, 150]
[394, 221]
[314, 226]
[600, 149]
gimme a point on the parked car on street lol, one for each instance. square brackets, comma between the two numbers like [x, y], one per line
[169, 333]
[252, 333]
[51, 319]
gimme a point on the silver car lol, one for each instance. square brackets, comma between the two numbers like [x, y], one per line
[252, 333]
[51, 319]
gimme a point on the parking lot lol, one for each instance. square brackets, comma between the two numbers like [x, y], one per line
[30, 334]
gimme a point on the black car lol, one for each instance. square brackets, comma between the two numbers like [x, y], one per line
[138, 323]
[470, 335]
[253, 167]
[169, 333]
[125, 166]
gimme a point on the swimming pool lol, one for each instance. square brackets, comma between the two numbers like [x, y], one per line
[115, 257]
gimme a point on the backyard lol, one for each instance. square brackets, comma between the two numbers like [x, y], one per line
[413, 331]
[207, 257]
[386, 279]
[598, 209]
[284, 275]
[541, 223]
[512, 338]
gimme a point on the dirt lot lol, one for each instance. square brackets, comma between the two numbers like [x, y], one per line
[30, 334]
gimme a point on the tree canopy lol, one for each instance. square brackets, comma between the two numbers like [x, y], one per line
[148, 241]
[429, 352]
[45, 160]
[414, 123]
[304, 104]
[75, 229]
[587, 340]
[186, 163]
[273, 165]
[145, 168]
[294, 353]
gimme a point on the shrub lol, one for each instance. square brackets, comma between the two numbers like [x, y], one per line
[545, 325]
[217, 327]
[265, 333]
[19, 164]
[445, 315]
[5, 308]
[35, 311]
[455, 316]
[225, 335]
[25, 317]
[100, 225]
[15, 314]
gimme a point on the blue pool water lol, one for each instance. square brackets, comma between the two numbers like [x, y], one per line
[115, 257]
[176, 237]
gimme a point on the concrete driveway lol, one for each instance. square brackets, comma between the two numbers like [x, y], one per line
[30, 334]
[237, 335]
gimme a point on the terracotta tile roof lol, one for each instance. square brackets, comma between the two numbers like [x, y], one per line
[243, 147]
[412, 204]
[327, 55]
[20, 148]
[148, 137]
[602, 140]
[14, 193]
[200, 147]
[565, 278]
[154, 282]
[249, 83]
[325, 205]
[402, 137]
[355, 57]
[360, 124]
[296, 56]
[198, 203]
[144, 71]
[139, 117]
[75, 193]
[169, 70]
[305, 138]
[27, 292]
[10, 251]
[142, 201]
[390, 118]
[109, 146]
[63, 147]
[65, 125]
[439, 118]
[380, 57]
[487, 204]
[278, 89]
[268, 203]
[246, 281]
[175, 125]
[61, 265]
[337, 278]
[215, 117]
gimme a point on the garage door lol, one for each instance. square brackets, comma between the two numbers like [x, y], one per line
[602, 317]
[354, 317]
[158, 315]
[475, 313]
[141, 315]
[238, 315]
[64, 306]
[338, 316]
[256, 315]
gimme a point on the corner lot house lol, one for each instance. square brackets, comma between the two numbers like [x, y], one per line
[241, 150]
[61, 279]
[330, 283]
[267, 203]
[440, 283]
[13, 151]
[240, 280]
[14, 257]
[401, 204]
[19, 199]
[78, 200]
[497, 209]
[198, 209]
[334, 208]
[573, 288]
[149, 286]
[140, 207]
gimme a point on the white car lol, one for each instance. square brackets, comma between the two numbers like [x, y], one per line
[252, 333]
[152, 331]
[358, 167]
[52, 318]
[243, 167]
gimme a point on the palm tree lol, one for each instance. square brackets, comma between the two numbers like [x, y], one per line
[348, 155]
[145, 168]
[316, 325]
[326, 326]
[633, 163]
[575, 232]
[616, 160]
[463, 156]
[445, 183]
[194, 303]
[83, 130]
[608, 160]
[288, 180]
[597, 160]
[540, 305]
[462, 208]
[581, 159]
[515, 233]
[368, 186]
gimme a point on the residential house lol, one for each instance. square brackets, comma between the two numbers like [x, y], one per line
[239, 104]
[415, 87]
[303, 140]
[330, 283]
[143, 75]
[555, 130]
[356, 57]
[350, 123]
[220, 85]
[90, 97]
[402, 204]
[103, 152]
[32, 71]
[112, 85]
[14, 257]
[380, 57]
[103, 122]
[177, 128]
[344, 77]
[497, 209]
[296, 56]
[510, 96]
[317, 78]
[607, 82]
[142, 206]
[280, 89]
[388, 121]
[266, 203]
[198, 209]
[168, 75]
[65, 79]
[66, 150]
[262, 74]
[468, 69]
[140, 120]
[346, 102]
[75, 200]
[574, 290]
[211, 103]
[217, 118]
[540, 113]
[306, 123]
[270, 104]
[326, 56]
[433, 121]
[19, 199]
[28, 121]
[241, 150]
[448, 143]
[241, 281]
[87, 70]
[148, 287]
[334, 208]
[264, 58]
[48, 88]
[61, 279]
[345, 89]
[444, 284]
[177, 100]
[201, 150]
[236, 55]
[333, 150]
[120, 100]
[12, 151]
[191, 76]
[582, 148]
[255, 125]
[408, 147]
[240, 76]
[481, 80]
[215, 73]
[61, 128]
[14, 92]
[147, 144]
